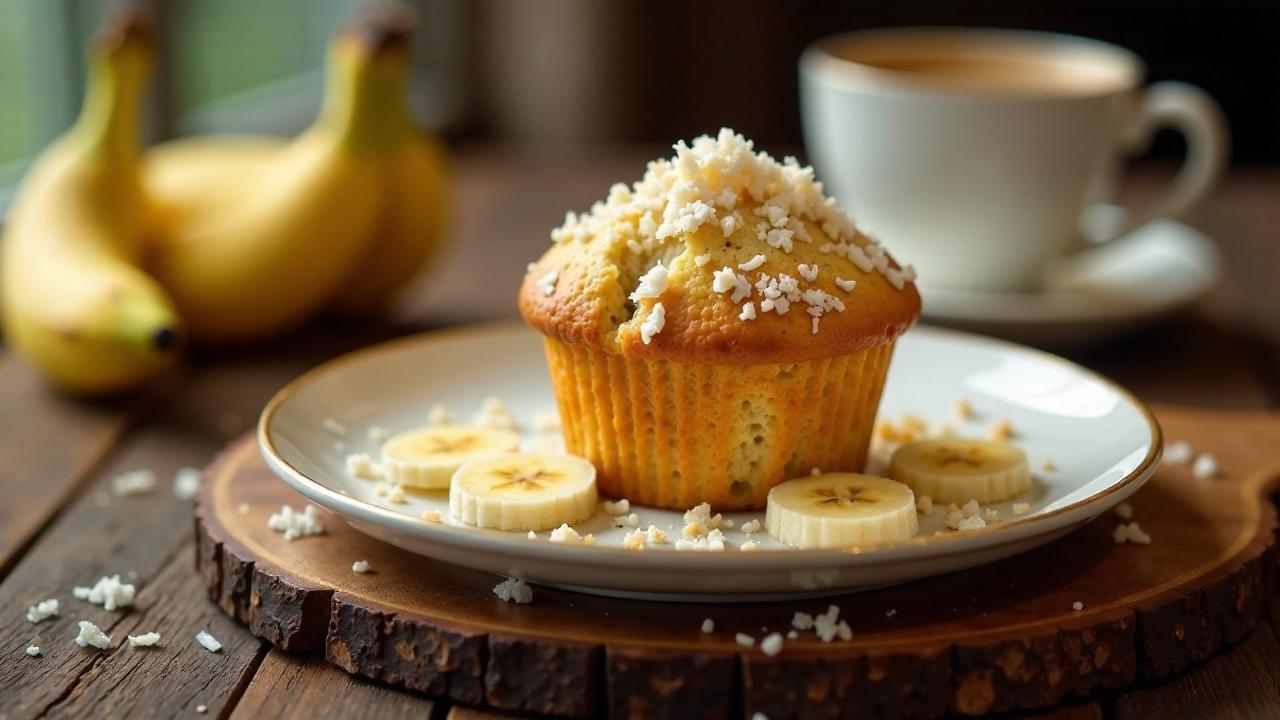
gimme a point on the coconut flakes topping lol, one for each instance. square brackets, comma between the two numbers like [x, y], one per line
[653, 323]
[703, 184]
[652, 284]
[547, 283]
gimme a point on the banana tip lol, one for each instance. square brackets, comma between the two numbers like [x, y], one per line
[132, 23]
[382, 27]
[164, 339]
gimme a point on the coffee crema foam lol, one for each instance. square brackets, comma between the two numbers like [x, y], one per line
[973, 68]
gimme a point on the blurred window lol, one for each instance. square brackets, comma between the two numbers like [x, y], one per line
[235, 66]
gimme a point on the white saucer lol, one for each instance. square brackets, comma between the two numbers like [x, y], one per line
[1104, 293]
[1104, 442]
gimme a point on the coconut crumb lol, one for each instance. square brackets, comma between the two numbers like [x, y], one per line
[33, 650]
[655, 536]
[828, 625]
[208, 642]
[924, 505]
[698, 521]
[749, 546]
[514, 590]
[495, 414]
[846, 285]
[1124, 511]
[1021, 508]
[360, 465]
[616, 508]
[751, 526]
[702, 260]
[1205, 467]
[43, 610]
[748, 312]
[547, 283]
[295, 524]
[752, 264]
[186, 482]
[713, 541]
[744, 639]
[1130, 532]
[708, 626]
[431, 515]
[634, 540]
[1179, 453]
[360, 567]
[134, 482]
[653, 323]
[334, 428]
[440, 415]
[566, 535]
[652, 284]
[1077, 606]
[91, 635]
[109, 592]
[771, 645]
[144, 640]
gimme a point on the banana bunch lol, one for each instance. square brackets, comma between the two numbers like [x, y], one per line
[111, 257]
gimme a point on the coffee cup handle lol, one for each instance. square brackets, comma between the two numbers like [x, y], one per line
[1193, 113]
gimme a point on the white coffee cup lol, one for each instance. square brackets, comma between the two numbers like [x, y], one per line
[975, 154]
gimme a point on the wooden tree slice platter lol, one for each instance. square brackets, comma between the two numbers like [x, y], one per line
[994, 638]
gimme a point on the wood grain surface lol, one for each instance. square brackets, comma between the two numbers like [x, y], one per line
[1005, 637]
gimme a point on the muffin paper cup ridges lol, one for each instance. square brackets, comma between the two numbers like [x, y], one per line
[671, 435]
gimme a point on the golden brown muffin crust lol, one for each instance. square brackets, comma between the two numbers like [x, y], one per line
[579, 290]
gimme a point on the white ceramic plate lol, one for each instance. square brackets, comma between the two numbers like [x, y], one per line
[1103, 441]
[1103, 293]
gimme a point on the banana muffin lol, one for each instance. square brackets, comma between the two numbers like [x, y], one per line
[716, 328]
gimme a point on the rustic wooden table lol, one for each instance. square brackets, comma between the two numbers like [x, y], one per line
[60, 526]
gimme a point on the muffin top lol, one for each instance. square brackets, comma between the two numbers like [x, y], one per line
[720, 255]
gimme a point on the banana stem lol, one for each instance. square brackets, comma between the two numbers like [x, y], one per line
[109, 119]
[364, 99]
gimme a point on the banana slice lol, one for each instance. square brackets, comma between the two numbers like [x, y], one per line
[428, 457]
[949, 470]
[840, 510]
[524, 491]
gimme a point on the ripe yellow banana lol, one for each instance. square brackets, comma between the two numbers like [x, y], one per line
[268, 245]
[73, 302]
[412, 221]
[192, 176]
